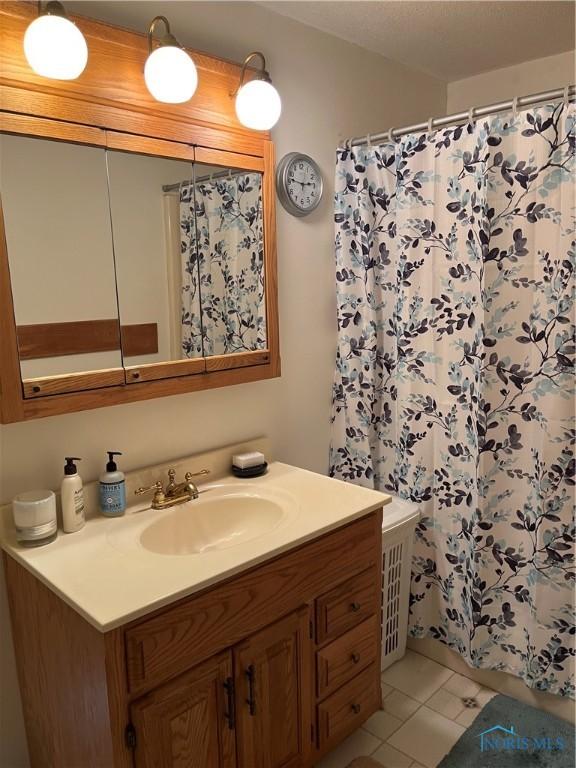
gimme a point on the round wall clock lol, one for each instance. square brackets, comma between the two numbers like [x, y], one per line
[299, 183]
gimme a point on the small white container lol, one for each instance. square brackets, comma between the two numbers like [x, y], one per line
[35, 518]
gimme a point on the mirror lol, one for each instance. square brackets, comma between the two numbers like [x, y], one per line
[229, 249]
[128, 266]
[59, 242]
[189, 248]
[157, 296]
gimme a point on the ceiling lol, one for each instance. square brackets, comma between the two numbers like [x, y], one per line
[450, 39]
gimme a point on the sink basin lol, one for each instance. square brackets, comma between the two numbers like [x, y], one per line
[226, 515]
[212, 523]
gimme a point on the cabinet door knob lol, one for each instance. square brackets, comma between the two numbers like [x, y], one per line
[355, 658]
[356, 708]
[355, 606]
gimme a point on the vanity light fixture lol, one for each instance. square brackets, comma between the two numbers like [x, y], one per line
[53, 45]
[258, 103]
[169, 72]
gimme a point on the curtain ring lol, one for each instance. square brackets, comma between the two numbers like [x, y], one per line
[369, 140]
[515, 106]
[566, 94]
[391, 135]
[471, 114]
[430, 126]
[229, 174]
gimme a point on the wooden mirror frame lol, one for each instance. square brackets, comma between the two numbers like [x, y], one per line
[98, 109]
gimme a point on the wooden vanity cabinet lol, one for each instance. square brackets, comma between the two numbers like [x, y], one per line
[271, 668]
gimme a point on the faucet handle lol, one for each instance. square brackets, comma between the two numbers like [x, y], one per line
[157, 487]
[189, 475]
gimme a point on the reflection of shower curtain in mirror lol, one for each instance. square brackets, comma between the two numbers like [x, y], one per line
[225, 249]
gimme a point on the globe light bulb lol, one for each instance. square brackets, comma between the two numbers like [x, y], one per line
[258, 105]
[170, 74]
[54, 46]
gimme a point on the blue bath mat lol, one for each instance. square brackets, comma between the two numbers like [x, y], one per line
[510, 734]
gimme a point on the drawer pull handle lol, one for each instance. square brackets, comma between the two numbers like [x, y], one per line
[356, 708]
[250, 700]
[230, 714]
[355, 607]
[355, 658]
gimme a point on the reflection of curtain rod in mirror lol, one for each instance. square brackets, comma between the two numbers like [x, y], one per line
[209, 176]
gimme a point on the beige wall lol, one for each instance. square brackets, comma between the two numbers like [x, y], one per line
[520, 80]
[330, 90]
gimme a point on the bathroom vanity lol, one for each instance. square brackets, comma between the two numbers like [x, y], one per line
[254, 646]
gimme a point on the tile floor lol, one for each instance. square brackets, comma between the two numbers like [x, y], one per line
[423, 716]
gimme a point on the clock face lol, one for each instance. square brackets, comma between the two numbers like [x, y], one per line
[299, 184]
[303, 184]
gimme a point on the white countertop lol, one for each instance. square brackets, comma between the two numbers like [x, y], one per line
[105, 574]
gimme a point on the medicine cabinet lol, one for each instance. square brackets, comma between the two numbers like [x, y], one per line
[137, 252]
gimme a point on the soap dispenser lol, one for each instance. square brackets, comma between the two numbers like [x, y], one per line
[112, 488]
[72, 497]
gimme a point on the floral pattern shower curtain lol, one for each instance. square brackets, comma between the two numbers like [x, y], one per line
[223, 259]
[454, 380]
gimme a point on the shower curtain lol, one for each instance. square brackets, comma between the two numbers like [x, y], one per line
[223, 260]
[454, 384]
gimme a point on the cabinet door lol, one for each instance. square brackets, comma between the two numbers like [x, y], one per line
[274, 694]
[188, 723]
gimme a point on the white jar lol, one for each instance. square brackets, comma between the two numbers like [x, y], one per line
[35, 518]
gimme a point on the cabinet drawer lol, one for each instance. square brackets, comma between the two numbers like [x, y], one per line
[351, 705]
[346, 657]
[346, 606]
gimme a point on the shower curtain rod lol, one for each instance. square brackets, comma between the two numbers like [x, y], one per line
[568, 92]
[209, 176]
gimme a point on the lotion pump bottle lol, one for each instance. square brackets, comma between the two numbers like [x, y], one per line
[112, 488]
[72, 497]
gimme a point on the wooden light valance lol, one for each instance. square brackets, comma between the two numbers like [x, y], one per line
[111, 92]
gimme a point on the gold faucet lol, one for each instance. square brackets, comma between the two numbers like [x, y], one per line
[174, 493]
